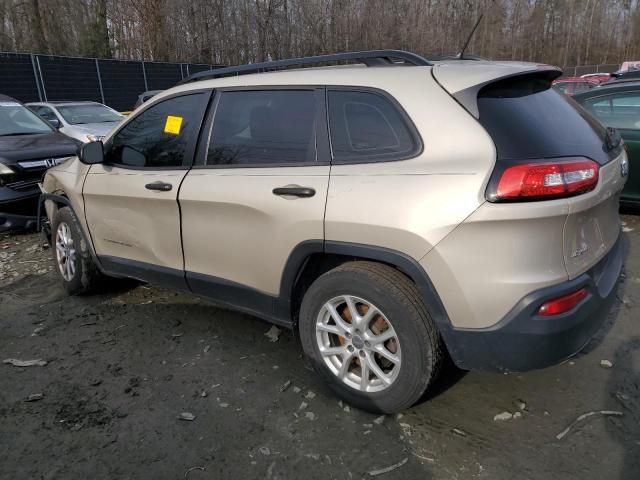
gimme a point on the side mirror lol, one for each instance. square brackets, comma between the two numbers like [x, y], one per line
[55, 123]
[91, 153]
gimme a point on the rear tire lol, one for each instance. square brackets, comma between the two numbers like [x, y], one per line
[72, 257]
[382, 363]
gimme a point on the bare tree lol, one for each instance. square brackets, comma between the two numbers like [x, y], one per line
[561, 32]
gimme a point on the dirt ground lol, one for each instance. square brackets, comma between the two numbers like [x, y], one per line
[122, 367]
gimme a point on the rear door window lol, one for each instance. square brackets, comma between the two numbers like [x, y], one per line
[264, 127]
[368, 127]
[621, 110]
[529, 120]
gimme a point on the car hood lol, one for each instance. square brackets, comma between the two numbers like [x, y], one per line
[37, 146]
[99, 129]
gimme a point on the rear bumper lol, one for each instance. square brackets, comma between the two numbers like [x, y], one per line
[525, 341]
[17, 211]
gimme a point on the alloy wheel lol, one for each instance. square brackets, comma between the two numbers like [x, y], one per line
[65, 252]
[358, 343]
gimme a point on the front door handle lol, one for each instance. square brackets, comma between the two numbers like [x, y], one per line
[160, 186]
[294, 191]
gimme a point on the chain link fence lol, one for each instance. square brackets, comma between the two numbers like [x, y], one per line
[117, 83]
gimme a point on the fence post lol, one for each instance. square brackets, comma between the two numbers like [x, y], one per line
[44, 89]
[35, 77]
[144, 74]
[99, 80]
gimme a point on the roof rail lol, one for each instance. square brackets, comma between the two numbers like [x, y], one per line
[369, 58]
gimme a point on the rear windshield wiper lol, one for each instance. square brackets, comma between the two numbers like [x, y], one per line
[613, 139]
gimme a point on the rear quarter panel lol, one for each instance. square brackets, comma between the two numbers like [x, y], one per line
[593, 223]
[410, 205]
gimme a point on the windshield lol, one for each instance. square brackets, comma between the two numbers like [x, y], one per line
[79, 114]
[561, 87]
[16, 119]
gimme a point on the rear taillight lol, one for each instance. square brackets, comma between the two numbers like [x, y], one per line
[563, 304]
[545, 180]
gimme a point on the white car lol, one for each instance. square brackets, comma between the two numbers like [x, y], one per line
[85, 121]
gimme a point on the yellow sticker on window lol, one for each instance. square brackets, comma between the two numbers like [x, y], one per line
[173, 125]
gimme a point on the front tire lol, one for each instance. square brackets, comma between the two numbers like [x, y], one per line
[72, 255]
[368, 334]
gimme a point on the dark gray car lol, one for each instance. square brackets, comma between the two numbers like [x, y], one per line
[28, 146]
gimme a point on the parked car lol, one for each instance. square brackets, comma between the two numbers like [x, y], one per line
[572, 85]
[342, 202]
[629, 66]
[85, 121]
[618, 106]
[623, 76]
[597, 77]
[28, 146]
[144, 96]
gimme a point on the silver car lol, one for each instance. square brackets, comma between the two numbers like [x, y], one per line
[85, 121]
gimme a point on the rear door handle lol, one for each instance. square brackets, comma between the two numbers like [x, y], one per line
[160, 186]
[304, 192]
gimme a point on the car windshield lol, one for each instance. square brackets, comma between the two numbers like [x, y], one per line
[79, 114]
[561, 87]
[16, 119]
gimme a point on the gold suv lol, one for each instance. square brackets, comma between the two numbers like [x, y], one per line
[393, 211]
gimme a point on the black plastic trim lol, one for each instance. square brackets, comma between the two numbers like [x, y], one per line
[237, 296]
[145, 272]
[406, 264]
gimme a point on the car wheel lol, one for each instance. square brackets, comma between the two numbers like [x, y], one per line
[71, 255]
[368, 333]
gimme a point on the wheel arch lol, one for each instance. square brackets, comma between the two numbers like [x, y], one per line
[60, 200]
[311, 259]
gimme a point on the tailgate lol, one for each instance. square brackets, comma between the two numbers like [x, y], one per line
[593, 223]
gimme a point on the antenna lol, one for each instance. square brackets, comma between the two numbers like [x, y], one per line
[473, 30]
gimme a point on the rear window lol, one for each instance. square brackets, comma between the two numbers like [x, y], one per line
[529, 120]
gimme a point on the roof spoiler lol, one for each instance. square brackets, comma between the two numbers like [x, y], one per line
[468, 97]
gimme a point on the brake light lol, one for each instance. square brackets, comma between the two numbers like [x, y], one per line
[562, 304]
[547, 180]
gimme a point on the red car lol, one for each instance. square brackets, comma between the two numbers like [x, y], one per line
[597, 77]
[573, 85]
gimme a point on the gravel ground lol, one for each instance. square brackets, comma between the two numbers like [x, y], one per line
[123, 367]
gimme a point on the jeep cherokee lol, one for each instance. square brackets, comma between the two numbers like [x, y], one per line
[392, 213]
